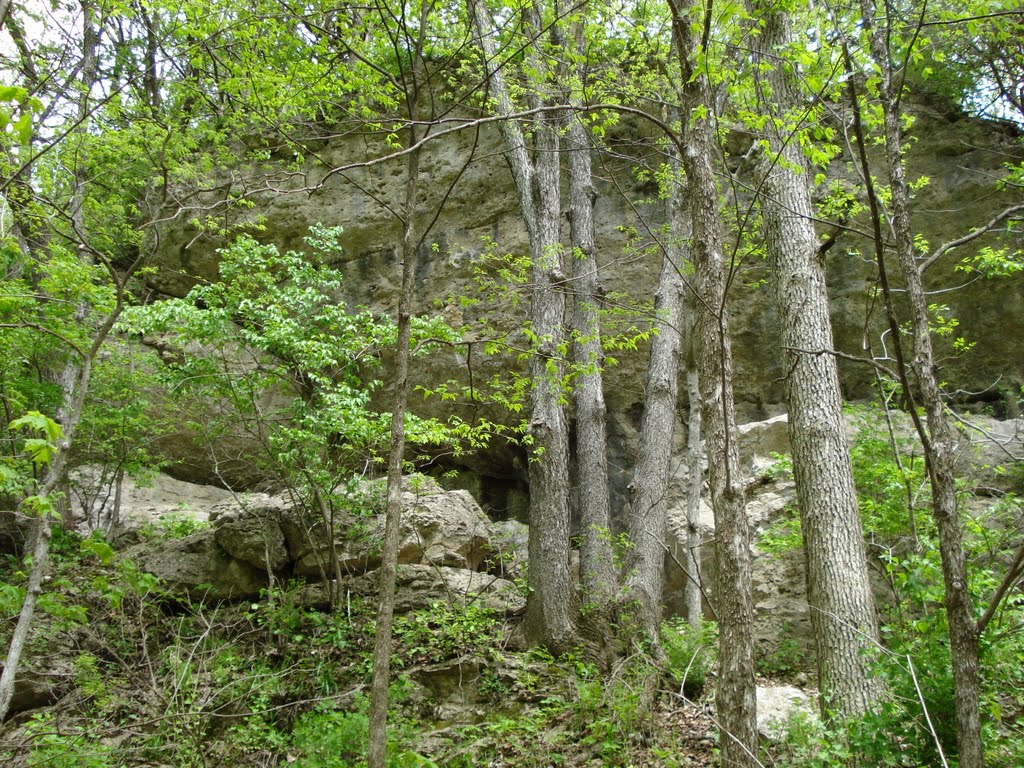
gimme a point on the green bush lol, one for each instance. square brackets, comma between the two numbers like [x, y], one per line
[65, 746]
[329, 738]
[444, 631]
[691, 653]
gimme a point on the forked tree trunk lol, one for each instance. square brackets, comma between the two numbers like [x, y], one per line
[842, 609]
[648, 489]
[735, 697]
[938, 440]
[550, 604]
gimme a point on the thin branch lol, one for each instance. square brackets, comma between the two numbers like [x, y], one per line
[44, 329]
[943, 249]
[1008, 581]
[844, 356]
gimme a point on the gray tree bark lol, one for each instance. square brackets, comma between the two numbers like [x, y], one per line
[735, 697]
[597, 569]
[693, 596]
[937, 438]
[648, 489]
[377, 749]
[839, 591]
[550, 610]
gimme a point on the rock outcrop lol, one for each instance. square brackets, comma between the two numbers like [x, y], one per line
[446, 552]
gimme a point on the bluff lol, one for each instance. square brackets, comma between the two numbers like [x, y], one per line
[469, 183]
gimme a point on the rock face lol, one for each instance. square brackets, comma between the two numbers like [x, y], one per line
[446, 552]
[195, 566]
[438, 527]
[420, 585]
[960, 157]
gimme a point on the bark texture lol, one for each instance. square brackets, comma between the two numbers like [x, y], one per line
[735, 698]
[842, 612]
[377, 749]
[550, 612]
[648, 489]
[693, 597]
[937, 436]
[597, 568]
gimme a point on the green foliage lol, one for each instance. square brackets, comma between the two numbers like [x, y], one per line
[66, 746]
[784, 535]
[610, 714]
[780, 468]
[889, 491]
[785, 658]
[174, 525]
[272, 330]
[445, 631]
[809, 742]
[328, 738]
[691, 653]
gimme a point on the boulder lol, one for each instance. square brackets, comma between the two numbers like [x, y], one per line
[777, 705]
[991, 453]
[143, 501]
[252, 533]
[760, 439]
[196, 566]
[443, 528]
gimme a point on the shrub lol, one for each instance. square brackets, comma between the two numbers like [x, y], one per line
[691, 653]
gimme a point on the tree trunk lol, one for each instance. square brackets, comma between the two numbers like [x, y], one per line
[693, 597]
[648, 490]
[412, 81]
[549, 610]
[597, 569]
[73, 401]
[74, 385]
[842, 607]
[377, 749]
[735, 698]
[938, 440]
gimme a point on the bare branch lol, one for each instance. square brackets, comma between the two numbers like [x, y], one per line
[945, 248]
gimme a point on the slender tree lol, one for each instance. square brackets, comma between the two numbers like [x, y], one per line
[413, 79]
[649, 486]
[735, 698]
[920, 380]
[597, 569]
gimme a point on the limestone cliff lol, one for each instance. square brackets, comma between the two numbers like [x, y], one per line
[962, 159]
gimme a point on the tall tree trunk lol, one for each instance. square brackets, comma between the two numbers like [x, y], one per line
[73, 402]
[842, 607]
[648, 489]
[735, 698]
[377, 752]
[937, 438]
[693, 597]
[597, 569]
[549, 611]
[412, 81]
